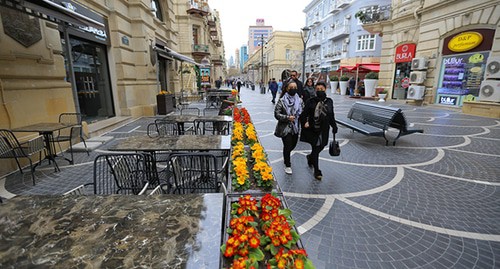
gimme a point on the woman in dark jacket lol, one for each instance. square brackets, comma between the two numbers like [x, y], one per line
[316, 120]
[287, 112]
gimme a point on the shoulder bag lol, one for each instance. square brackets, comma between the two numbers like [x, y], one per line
[334, 148]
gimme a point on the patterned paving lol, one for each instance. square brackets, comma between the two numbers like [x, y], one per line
[432, 201]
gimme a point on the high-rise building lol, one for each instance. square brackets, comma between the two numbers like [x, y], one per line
[243, 56]
[256, 33]
[237, 58]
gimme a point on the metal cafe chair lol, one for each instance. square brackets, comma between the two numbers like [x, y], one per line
[210, 111]
[120, 173]
[72, 133]
[160, 189]
[162, 128]
[190, 111]
[194, 173]
[11, 148]
[205, 127]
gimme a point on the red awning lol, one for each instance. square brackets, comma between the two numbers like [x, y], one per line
[346, 68]
[369, 67]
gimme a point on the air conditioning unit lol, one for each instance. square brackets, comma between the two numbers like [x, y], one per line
[417, 77]
[490, 91]
[419, 64]
[416, 92]
[492, 67]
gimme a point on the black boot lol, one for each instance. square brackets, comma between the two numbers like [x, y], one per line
[318, 175]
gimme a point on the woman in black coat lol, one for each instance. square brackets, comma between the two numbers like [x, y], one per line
[316, 120]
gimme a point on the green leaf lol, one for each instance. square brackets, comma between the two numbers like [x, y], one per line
[273, 250]
[229, 231]
[223, 248]
[285, 212]
[308, 264]
[288, 244]
[256, 254]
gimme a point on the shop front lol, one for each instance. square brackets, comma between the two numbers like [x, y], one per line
[463, 65]
[87, 68]
[403, 57]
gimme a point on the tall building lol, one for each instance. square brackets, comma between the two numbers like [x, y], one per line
[243, 56]
[337, 40]
[256, 33]
[237, 58]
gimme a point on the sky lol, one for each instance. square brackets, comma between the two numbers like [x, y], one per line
[237, 15]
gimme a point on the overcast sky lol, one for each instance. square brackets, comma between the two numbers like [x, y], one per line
[237, 15]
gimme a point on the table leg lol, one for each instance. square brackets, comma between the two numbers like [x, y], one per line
[50, 152]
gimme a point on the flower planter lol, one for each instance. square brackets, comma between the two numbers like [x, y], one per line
[370, 85]
[165, 103]
[264, 251]
[333, 86]
[381, 97]
[343, 87]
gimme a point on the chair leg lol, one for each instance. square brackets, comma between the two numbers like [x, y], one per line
[32, 171]
[85, 144]
[71, 149]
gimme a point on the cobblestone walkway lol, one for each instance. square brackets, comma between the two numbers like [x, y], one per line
[431, 201]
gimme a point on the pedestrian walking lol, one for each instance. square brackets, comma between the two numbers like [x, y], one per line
[287, 112]
[238, 84]
[300, 87]
[218, 83]
[309, 90]
[280, 86]
[352, 85]
[316, 120]
[273, 87]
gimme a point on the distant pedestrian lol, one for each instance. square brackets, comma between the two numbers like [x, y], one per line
[287, 112]
[280, 86]
[316, 120]
[218, 83]
[238, 84]
[352, 85]
[300, 87]
[309, 90]
[273, 87]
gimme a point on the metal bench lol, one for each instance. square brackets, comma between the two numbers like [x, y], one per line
[375, 120]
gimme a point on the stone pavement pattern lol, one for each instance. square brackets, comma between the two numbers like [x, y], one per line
[432, 201]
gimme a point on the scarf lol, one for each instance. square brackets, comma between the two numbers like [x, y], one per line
[319, 114]
[293, 108]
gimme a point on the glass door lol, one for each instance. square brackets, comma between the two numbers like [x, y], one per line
[401, 80]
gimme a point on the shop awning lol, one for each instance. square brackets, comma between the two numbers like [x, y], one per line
[53, 11]
[369, 67]
[169, 53]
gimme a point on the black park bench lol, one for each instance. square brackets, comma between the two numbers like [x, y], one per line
[375, 120]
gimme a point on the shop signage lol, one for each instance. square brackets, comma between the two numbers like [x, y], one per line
[448, 100]
[465, 41]
[405, 53]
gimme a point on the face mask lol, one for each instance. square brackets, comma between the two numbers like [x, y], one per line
[292, 92]
[321, 95]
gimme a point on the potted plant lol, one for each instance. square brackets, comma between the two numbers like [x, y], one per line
[344, 80]
[370, 81]
[382, 95]
[164, 102]
[334, 83]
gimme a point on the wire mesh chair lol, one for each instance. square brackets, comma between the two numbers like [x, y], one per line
[194, 173]
[162, 128]
[190, 111]
[211, 127]
[70, 134]
[10, 148]
[160, 189]
[120, 173]
[210, 111]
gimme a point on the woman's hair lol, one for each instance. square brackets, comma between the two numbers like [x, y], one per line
[311, 80]
[285, 86]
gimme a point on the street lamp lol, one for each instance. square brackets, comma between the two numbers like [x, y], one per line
[304, 34]
[262, 60]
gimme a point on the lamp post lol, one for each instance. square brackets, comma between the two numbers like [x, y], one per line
[262, 63]
[304, 34]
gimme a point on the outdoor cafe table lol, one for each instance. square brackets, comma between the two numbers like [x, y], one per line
[46, 129]
[113, 231]
[174, 143]
[192, 118]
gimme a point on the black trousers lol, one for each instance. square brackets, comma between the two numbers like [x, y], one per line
[289, 143]
[316, 150]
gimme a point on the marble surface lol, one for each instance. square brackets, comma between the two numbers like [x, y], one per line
[43, 127]
[174, 143]
[115, 231]
[192, 118]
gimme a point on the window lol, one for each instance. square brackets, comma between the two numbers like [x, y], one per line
[365, 42]
[155, 8]
[195, 35]
[287, 54]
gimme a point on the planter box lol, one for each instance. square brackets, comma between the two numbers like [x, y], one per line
[165, 103]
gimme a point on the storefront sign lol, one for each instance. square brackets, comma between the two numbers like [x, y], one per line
[465, 41]
[448, 100]
[405, 53]
[205, 76]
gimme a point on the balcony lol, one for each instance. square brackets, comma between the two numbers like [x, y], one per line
[211, 22]
[339, 31]
[218, 60]
[335, 56]
[200, 50]
[335, 9]
[313, 43]
[343, 3]
[198, 8]
[373, 17]
[213, 31]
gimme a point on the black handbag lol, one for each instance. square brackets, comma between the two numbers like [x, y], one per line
[334, 148]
